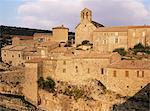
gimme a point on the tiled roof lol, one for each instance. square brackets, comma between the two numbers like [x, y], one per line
[37, 60]
[18, 48]
[118, 28]
[60, 27]
[49, 43]
[131, 64]
[112, 29]
[8, 47]
[24, 37]
[96, 24]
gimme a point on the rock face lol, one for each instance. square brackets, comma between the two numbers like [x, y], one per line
[139, 102]
[69, 97]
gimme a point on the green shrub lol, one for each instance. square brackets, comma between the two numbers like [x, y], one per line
[85, 42]
[139, 46]
[121, 51]
[48, 84]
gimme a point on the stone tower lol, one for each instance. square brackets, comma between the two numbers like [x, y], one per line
[60, 34]
[86, 15]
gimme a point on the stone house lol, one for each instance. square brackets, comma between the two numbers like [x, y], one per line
[109, 38]
[22, 40]
[127, 76]
[13, 55]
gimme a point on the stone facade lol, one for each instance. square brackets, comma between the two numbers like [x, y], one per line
[84, 30]
[127, 77]
[13, 55]
[109, 38]
[22, 40]
[48, 57]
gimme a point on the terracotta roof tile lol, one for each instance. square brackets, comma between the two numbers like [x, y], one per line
[131, 64]
[96, 24]
[24, 37]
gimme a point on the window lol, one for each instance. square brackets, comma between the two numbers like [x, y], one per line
[64, 70]
[115, 74]
[4, 54]
[116, 40]
[12, 55]
[83, 15]
[88, 70]
[138, 73]
[28, 58]
[102, 71]
[127, 86]
[18, 55]
[86, 14]
[142, 73]
[76, 69]
[127, 73]
[64, 62]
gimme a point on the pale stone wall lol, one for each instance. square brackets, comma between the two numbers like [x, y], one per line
[18, 41]
[79, 71]
[30, 87]
[138, 35]
[108, 41]
[14, 58]
[123, 84]
[42, 37]
[84, 31]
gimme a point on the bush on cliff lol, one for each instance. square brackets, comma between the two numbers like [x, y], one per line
[48, 84]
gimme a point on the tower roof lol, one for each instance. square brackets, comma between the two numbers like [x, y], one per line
[86, 9]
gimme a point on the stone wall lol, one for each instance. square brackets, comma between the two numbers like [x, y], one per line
[84, 31]
[137, 35]
[123, 83]
[30, 87]
[108, 41]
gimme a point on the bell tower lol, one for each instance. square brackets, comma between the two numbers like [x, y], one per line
[86, 15]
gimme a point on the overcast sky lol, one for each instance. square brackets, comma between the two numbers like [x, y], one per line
[45, 14]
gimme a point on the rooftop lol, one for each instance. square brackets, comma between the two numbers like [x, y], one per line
[118, 28]
[24, 37]
[60, 27]
[131, 64]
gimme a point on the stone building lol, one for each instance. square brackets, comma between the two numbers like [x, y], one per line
[109, 38]
[60, 34]
[49, 57]
[13, 55]
[127, 76]
[84, 30]
[22, 40]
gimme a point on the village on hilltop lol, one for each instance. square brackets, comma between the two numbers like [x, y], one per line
[98, 70]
